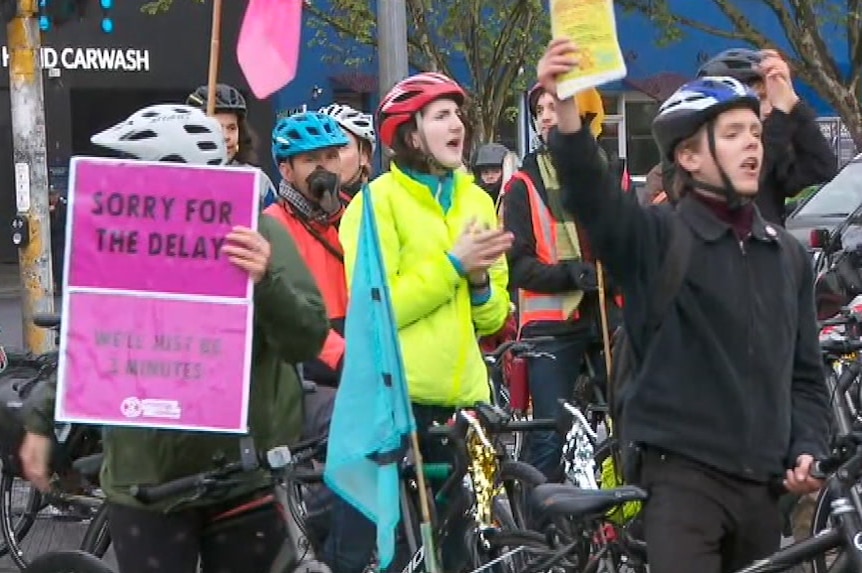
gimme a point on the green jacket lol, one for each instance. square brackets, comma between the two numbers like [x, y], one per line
[290, 325]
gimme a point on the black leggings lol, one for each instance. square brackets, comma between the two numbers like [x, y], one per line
[153, 542]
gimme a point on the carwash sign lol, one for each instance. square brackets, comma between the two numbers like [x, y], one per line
[91, 59]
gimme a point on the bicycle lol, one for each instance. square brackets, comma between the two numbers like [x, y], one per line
[841, 354]
[843, 471]
[75, 497]
[480, 470]
[288, 467]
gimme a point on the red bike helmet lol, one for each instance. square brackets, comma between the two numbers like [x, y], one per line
[409, 96]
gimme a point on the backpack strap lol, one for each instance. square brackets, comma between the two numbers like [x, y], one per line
[671, 273]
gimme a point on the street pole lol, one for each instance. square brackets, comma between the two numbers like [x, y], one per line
[391, 46]
[31, 170]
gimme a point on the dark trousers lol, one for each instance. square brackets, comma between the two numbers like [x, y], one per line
[353, 538]
[699, 519]
[551, 380]
[148, 541]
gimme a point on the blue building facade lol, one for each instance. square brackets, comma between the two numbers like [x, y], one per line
[654, 71]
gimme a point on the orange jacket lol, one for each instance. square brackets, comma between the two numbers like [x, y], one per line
[324, 256]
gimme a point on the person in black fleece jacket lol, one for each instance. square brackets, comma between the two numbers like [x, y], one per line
[730, 392]
[796, 154]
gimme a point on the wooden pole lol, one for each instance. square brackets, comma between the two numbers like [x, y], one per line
[603, 313]
[215, 42]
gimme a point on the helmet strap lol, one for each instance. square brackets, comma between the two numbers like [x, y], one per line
[726, 190]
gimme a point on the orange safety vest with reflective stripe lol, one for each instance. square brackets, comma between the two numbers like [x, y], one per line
[328, 273]
[534, 306]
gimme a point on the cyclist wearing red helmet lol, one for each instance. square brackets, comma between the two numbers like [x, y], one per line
[443, 250]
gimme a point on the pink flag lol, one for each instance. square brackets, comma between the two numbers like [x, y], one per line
[268, 47]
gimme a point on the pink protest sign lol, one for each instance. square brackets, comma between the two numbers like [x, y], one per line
[157, 227]
[157, 322]
[159, 363]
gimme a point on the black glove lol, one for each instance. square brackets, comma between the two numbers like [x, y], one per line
[584, 275]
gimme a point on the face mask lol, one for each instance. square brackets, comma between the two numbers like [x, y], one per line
[323, 186]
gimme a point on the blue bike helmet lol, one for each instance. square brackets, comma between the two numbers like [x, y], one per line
[305, 132]
[696, 104]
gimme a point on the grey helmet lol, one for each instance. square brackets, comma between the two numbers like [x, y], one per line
[227, 99]
[167, 132]
[490, 155]
[739, 63]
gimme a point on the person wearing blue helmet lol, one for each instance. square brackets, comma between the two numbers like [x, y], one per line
[305, 147]
[725, 403]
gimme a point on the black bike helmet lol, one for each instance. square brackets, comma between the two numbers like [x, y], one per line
[227, 99]
[490, 155]
[740, 63]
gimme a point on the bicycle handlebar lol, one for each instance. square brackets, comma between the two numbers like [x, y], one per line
[840, 345]
[521, 346]
[201, 482]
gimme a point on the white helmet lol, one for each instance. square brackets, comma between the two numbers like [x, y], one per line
[167, 132]
[359, 124]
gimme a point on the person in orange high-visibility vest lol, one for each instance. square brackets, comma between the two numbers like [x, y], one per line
[551, 266]
[305, 146]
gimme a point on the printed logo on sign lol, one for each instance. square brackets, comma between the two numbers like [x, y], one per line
[4, 359]
[151, 408]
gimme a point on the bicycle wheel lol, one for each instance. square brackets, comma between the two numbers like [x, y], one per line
[97, 538]
[17, 511]
[518, 480]
[33, 524]
[820, 521]
[68, 562]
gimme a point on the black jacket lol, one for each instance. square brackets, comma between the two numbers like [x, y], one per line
[733, 377]
[796, 156]
[525, 269]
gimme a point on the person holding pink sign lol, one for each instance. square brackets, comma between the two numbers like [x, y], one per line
[290, 326]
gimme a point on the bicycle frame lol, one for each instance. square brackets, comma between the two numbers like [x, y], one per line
[847, 533]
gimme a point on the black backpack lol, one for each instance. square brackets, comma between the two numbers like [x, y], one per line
[624, 360]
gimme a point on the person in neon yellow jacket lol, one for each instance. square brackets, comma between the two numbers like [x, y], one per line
[440, 304]
[444, 255]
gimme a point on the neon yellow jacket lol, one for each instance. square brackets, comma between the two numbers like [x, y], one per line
[438, 324]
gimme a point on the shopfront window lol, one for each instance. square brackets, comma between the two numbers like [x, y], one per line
[609, 140]
[642, 153]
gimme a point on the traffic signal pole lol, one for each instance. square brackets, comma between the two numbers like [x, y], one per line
[31, 170]
[391, 46]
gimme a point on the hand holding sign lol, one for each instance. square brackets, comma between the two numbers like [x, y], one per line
[248, 250]
[561, 57]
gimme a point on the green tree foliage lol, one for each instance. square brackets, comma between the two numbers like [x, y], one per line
[808, 27]
[498, 42]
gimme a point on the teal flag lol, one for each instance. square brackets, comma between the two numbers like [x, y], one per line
[372, 419]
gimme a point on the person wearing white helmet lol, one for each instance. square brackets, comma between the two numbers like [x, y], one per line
[356, 156]
[290, 326]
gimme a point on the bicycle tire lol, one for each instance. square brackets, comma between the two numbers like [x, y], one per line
[97, 538]
[819, 522]
[69, 561]
[518, 479]
[13, 533]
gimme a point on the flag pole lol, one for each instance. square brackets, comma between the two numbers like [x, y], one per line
[425, 528]
[215, 41]
[603, 313]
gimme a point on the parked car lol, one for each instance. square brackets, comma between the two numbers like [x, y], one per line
[829, 207]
